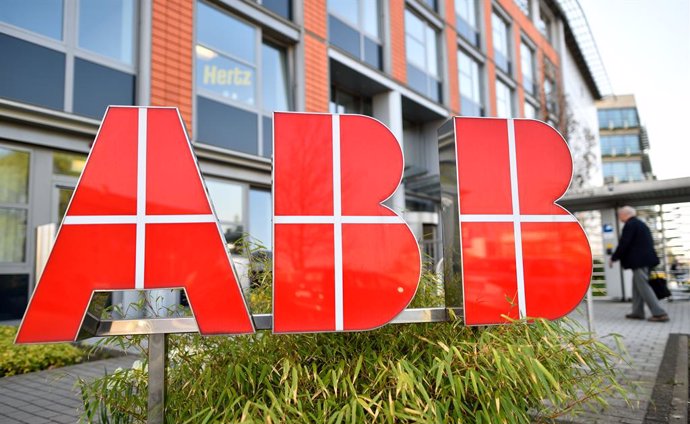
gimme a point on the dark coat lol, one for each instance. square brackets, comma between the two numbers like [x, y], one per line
[636, 247]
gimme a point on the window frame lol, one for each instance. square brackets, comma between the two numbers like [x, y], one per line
[69, 46]
[361, 31]
[9, 267]
[438, 78]
[499, 14]
[528, 44]
[511, 97]
[480, 83]
[461, 23]
[261, 37]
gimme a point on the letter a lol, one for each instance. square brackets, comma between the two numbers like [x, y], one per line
[139, 219]
[342, 261]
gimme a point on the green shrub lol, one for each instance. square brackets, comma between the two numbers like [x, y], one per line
[425, 373]
[20, 359]
[442, 372]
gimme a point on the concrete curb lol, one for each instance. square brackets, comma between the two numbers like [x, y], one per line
[669, 402]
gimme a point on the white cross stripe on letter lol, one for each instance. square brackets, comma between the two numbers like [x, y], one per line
[337, 220]
[516, 218]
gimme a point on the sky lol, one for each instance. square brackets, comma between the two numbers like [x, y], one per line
[645, 47]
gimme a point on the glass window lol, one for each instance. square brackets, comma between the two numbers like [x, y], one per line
[14, 199]
[524, 6]
[544, 23]
[353, 26]
[422, 57]
[466, 20]
[228, 203]
[280, 7]
[13, 231]
[35, 74]
[527, 65]
[69, 164]
[14, 176]
[14, 295]
[64, 196]
[225, 76]
[345, 10]
[44, 18]
[530, 111]
[97, 86]
[499, 29]
[344, 102]
[260, 216]
[226, 126]
[504, 100]
[221, 32]
[616, 145]
[623, 171]
[432, 4]
[107, 28]
[470, 86]
[550, 95]
[275, 85]
[105, 39]
[235, 100]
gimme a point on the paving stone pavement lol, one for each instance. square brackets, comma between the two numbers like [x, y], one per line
[645, 343]
[51, 396]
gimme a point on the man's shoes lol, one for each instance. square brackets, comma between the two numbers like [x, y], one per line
[633, 316]
[659, 318]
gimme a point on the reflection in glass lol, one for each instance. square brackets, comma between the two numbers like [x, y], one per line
[370, 15]
[34, 75]
[43, 17]
[13, 230]
[504, 101]
[14, 176]
[226, 126]
[227, 200]
[64, 196]
[500, 40]
[470, 89]
[260, 216]
[275, 87]
[223, 32]
[70, 164]
[530, 111]
[224, 76]
[107, 28]
[96, 87]
[347, 10]
[527, 64]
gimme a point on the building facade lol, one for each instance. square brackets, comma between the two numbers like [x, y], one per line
[229, 64]
[624, 141]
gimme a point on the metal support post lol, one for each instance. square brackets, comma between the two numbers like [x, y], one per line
[158, 354]
[590, 310]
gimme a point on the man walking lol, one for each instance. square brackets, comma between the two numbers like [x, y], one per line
[636, 251]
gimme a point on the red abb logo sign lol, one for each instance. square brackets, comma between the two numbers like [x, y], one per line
[522, 255]
[140, 218]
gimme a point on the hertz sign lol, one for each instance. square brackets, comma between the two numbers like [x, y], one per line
[140, 218]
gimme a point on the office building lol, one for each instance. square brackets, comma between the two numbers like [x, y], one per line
[228, 64]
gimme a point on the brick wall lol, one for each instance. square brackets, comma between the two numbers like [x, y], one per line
[316, 73]
[397, 33]
[172, 33]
